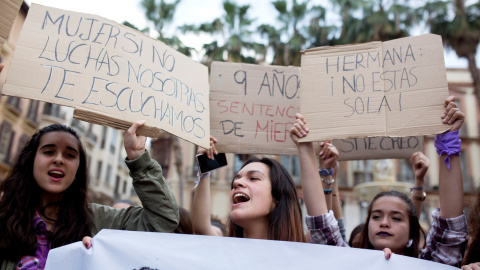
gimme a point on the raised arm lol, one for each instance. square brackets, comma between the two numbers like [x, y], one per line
[450, 179]
[311, 183]
[447, 238]
[322, 224]
[201, 199]
[160, 210]
[420, 164]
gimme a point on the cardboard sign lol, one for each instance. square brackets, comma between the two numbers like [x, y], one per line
[395, 88]
[378, 147]
[8, 12]
[129, 250]
[111, 74]
[253, 107]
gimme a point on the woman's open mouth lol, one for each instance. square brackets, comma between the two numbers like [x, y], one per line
[56, 175]
[240, 198]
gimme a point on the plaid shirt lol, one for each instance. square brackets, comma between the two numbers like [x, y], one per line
[446, 240]
[43, 247]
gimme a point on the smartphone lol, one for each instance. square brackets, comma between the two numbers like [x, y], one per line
[207, 164]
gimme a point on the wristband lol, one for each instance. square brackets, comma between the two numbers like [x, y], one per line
[201, 176]
[325, 172]
[415, 188]
[328, 182]
[328, 191]
[419, 198]
[448, 144]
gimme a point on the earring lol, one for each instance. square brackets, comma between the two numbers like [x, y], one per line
[410, 242]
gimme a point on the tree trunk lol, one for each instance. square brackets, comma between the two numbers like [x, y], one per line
[472, 66]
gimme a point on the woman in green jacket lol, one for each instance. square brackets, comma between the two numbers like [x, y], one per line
[44, 198]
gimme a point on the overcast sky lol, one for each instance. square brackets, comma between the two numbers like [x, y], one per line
[194, 12]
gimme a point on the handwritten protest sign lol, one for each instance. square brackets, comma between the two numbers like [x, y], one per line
[395, 88]
[8, 12]
[378, 147]
[129, 250]
[112, 75]
[253, 107]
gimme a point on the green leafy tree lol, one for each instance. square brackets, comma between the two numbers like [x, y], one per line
[290, 26]
[234, 28]
[374, 20]
[459, 26]
[300, 26]
[161, 14]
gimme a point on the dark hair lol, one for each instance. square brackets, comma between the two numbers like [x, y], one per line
[285, 221]
[185, 224]
[415, 230]
[21, 198]
[357, 230]
[215, 221]
[473, 252]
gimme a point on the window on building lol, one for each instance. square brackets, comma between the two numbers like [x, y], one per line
[124, 189]
[161, 153]
[406, 171]
[467, 178]
[32, 110]
[362, 171]
[52, 110]
[109, 172]
[104, 137]
[292, 165]
[6, 139]
[99, 169]
[14, 102]
[117, 184]
[113, 141]
[89, 162]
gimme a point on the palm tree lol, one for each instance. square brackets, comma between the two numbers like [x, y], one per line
[379, 20]
[290, 20]
[460, 30]
[319, 33]
[352, 27]
[301, 26]
[161, 14]
[233, 27]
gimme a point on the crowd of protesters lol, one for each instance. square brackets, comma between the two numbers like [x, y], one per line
[43, 203]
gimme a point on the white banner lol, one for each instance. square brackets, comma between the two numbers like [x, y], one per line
[113, 249]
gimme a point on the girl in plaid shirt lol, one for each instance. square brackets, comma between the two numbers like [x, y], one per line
[392, 224]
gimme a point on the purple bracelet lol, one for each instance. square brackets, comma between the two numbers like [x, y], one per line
[448, 144]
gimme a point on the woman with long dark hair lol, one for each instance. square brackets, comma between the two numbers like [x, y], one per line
[392, 224]
[263, 199]
[44, 197]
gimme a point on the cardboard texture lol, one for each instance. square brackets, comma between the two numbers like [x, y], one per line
[111, 74]
[253, 107]
[8, 12]
[378, 147]
[395, 88]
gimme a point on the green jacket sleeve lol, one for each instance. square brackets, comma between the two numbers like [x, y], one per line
[159, 212]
